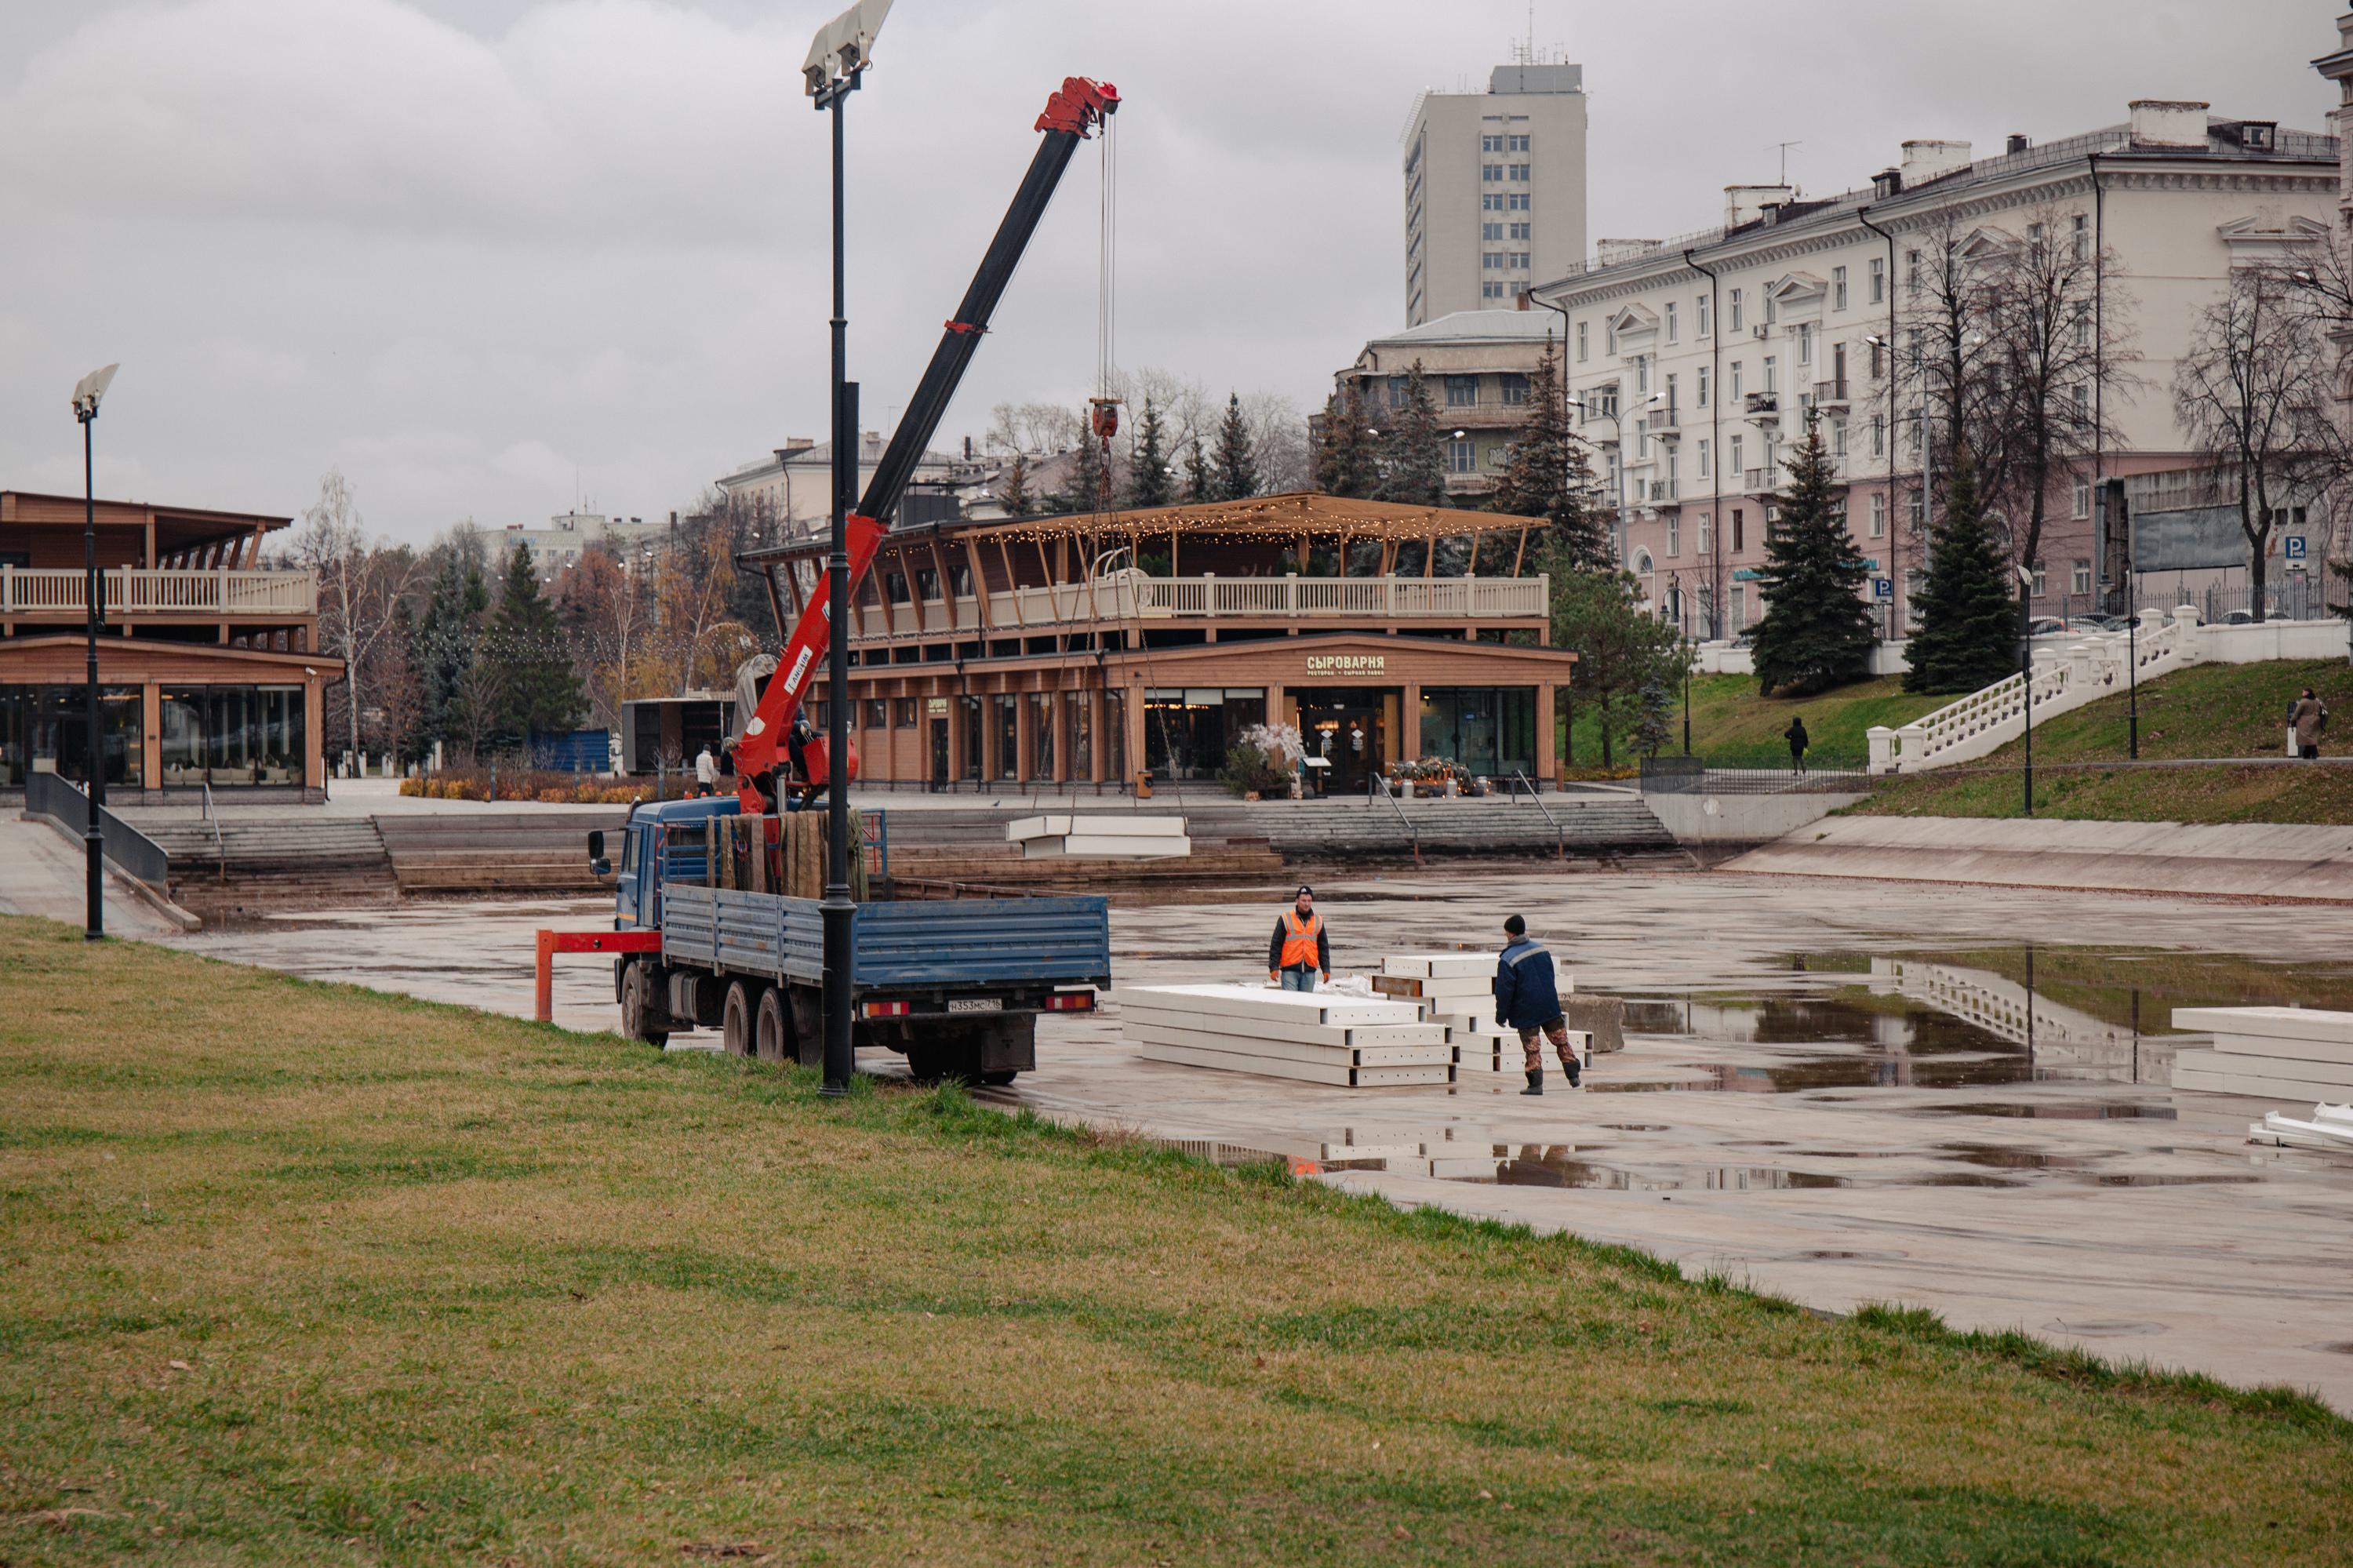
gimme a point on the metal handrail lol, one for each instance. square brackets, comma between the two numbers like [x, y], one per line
[67, 804]
[212, 819]
[1559, 828]
[1403, 820]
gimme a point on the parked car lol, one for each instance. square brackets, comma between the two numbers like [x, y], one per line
[2236, 617]
[2087, 625]
[2046, 626]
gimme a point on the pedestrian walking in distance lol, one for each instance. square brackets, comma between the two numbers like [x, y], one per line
[706, 770]
[1528, 999]
[2309, 718]
[1798, 740]
[1302, 948]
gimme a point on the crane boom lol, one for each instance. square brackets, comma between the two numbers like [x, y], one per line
[1071, 115]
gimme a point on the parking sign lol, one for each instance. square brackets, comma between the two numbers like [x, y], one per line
[2295, 546]
[1882, 588]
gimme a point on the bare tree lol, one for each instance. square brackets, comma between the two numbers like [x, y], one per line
[2057, 330]
[2255, 394]
[1946, 347]
[360, 588]
[1033, 428]
[1278, 439]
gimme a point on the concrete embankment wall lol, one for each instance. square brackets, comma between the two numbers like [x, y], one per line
[1739, 821]
[2248, 861]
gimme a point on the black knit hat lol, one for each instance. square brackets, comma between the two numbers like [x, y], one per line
[1514, 927]
[1304, 892]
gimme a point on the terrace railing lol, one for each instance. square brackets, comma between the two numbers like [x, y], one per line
[133, 591]
[1130, 595]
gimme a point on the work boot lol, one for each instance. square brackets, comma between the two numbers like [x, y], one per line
[1535, 1081]
[1574, 1075]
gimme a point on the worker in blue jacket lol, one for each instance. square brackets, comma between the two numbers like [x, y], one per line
[1527, 1000]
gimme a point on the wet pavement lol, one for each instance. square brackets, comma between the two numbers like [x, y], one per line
[1845, 1092]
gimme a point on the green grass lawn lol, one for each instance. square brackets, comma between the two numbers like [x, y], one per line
[2205, 710]
[1730, 723]
[303, 1274]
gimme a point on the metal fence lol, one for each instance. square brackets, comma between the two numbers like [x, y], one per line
[1711, 775]
[63, 802]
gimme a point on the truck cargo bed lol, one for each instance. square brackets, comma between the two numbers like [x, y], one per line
[918, 944]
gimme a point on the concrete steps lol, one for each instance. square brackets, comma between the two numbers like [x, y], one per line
[238, 867]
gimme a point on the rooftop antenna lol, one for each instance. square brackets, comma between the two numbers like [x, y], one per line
[1785, 147]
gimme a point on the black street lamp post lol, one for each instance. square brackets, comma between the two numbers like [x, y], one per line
[87, 393]
[835, 69]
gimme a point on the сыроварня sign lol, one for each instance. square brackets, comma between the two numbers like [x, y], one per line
[1348, 664]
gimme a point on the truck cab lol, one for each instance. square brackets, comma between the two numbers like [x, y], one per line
[647, 860]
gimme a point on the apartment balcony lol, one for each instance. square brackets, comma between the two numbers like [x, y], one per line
[1757, 481]
[29, 593]
[1132, 600]
[1660, 420]
[1762, 403]
[1660, 492]
[1830, 395]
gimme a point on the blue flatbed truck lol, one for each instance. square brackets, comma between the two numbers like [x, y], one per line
[955, 985]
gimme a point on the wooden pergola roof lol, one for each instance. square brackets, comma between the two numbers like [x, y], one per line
[1288, 517]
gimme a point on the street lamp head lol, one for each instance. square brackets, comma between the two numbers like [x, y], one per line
[844, 46]
[89, 389]
[1459, 434]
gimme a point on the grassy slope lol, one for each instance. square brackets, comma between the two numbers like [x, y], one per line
[2208, 710]
[302, 1273]
[1730, 723]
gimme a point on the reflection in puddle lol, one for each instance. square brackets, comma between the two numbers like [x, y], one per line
[2060, 1110]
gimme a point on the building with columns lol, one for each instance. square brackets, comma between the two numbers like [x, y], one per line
[1091, 649]
[1696, 360]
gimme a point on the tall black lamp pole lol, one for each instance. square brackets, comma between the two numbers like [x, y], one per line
[834, 67]
[2026, 673]
[87, 394]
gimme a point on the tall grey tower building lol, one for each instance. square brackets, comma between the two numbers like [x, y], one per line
[1494, 189]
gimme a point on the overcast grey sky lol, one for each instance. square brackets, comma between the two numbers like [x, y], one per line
[468, 250]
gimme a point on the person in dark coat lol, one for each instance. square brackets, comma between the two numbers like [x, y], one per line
[2309, 717]
[1798, 740]
[1528, 998]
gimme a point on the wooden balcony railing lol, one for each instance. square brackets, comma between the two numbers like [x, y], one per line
[44, 592]
[1133, 596]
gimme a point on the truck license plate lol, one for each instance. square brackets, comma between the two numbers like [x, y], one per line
[976, 1004]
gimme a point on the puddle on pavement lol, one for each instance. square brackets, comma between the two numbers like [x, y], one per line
[2060, 1110]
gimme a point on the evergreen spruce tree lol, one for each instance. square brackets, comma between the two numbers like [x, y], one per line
[1090, 487]
[1548, 473]
[1413, 464]
[539, 692]
[1197, 474]
[445, 645]
[1013, 493]
[1347, 461]
[1147, 467]
[1236, 474]
[1965, 622]
[1818, 630]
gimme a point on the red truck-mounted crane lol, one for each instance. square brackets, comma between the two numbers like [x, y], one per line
[764, 751]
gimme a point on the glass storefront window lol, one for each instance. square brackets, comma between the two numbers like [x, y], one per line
[233, 735]
[1008, 737]
[1081, 737]
[1114, 741]
[1043, 708]
[970, 708]
[45, 730]
[1187, 730]
[1489, 731]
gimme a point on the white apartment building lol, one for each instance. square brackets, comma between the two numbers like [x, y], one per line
[794, 484]
[1494, 189]
[1475, 365]
[1696, 359]
[559, 543]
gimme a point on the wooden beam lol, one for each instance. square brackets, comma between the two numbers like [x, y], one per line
[777, 603]
[1012, 585]
[979, 589]
[914, 591]
[1520, 557]
[947, 583]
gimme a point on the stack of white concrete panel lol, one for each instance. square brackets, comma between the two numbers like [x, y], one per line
[1458, 990]
[1318, 1037]
[1100, 838]
[2269, 1053]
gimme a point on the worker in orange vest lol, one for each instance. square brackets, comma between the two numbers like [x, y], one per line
[1301, 949]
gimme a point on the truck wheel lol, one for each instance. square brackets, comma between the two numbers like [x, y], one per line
[809, 1026]
[637, 1008]
[771, 1031]
[1000, 1077]
[927, 1064]
[736, 1023]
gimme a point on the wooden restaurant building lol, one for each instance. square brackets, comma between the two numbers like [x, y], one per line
[208, 661]
[1093, 647]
